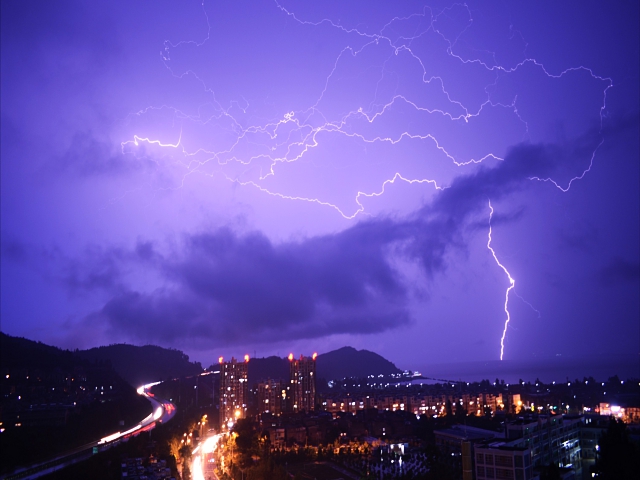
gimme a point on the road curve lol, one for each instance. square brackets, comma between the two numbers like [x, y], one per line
[162, 411]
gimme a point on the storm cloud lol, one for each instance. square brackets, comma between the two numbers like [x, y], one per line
[187, 174]
[228, 287]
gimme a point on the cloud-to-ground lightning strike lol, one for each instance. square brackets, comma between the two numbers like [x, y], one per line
[293, 135]
[512, 284]
[284, 175]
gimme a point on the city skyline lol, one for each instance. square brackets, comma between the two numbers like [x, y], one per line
[429, 181]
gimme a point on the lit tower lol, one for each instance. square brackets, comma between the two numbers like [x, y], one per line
[234, 391]
[303, 383]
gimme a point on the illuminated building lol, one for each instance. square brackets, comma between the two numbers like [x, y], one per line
[550, 438]
[272, 397]
[234, 391]
[626, 414]
[590, 434]
[502, 460]
[303, 383]
[457, 442]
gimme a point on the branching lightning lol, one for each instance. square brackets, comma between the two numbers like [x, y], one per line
[293, 135]
[309, 133]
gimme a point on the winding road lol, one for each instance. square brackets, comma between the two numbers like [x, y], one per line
[162, 411]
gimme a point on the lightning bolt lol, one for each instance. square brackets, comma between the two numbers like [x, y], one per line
[291, 136]
[308, 133]
[512, 284]
[528, 304]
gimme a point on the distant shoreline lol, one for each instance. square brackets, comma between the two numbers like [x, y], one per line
[548, 370]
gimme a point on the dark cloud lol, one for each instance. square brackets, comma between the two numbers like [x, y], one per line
[228, 288]
[104, 269]
[162, 316]
[97, 270]
[231, 288]
[220, 287]
[620, 271]
[469, 193]
[145, 250]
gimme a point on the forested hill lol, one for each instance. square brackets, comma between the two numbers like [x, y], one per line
[54, 400]
[17, 352]
[270, 367]
[349, 362]
[141, 365]
[334, 365]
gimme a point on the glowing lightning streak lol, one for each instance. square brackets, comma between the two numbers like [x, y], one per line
[369, 39]
[295, 150]
[136, 141]
[512, 284]
[287, 139]
[328, 126]
[528, 304]
[359, 210]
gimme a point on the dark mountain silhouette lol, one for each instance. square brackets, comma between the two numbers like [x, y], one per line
[142, 365]
[349, 362]
[337, 364]
[18, 352]
[270, 367]
[54, 400]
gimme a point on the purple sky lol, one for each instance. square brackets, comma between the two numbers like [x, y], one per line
[231, 177]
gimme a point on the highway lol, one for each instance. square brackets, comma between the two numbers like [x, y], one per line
[202, 459]
[162, 411]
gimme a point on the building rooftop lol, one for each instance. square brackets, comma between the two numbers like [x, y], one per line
[505, 446]
[462, 432]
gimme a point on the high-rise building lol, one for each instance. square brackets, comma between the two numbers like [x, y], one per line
[503, 460]
[272, 397]
[234, 391]
[303, 383]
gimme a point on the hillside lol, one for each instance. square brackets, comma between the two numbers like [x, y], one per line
[337, 364]
[141, 365]
[270, 367]
[54, 400]
[349, 362]
[17, 352]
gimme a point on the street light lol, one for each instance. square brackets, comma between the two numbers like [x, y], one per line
[202, 422]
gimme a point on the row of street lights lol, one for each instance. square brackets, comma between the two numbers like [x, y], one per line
[210, 445]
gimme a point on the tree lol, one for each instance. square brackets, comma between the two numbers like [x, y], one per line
[448, 409]
[186, 473]
[461, 412]
[619, 457]
[551, 472]
[185, 453]
[174, 448]
[614, 380]
[247, 437]
[438, 466]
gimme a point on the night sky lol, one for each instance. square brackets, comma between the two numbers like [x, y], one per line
[261, 176]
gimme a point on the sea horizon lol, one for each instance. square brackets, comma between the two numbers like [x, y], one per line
[547, 370]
